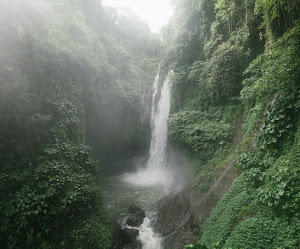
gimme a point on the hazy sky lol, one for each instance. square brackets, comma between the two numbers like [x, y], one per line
[155, 12]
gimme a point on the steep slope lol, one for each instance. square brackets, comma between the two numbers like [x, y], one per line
[235, 59]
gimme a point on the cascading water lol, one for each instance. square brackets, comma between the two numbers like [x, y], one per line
[156, 170]
[150, 182]
[155, 88]
[160, 130]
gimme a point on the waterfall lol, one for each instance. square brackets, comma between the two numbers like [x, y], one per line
[159, 138]
[155, 178]
[155, 88]
[156, 171]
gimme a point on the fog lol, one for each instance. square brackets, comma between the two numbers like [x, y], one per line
[31, 14]
[57, 50]
[156, 12]
[76, 81]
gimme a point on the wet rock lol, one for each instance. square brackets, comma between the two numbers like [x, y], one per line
[116, 228]
[134, 209]
[125, 238]
[136, 217]
[180, 216]
[136, 245]
[128, 235]
[128, 239]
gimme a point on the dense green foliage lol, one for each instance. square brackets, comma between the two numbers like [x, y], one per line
[63, 79]
[199, 131]
[225, 53]
[219, 225]
[72, 77]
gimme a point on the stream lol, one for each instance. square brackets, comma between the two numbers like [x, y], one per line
[120, 194]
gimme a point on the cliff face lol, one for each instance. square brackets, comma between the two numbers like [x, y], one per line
[182, 216]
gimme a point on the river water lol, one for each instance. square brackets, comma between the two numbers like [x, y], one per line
[119, 195]
[150, 182]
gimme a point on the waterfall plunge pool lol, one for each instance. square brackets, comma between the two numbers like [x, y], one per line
[120, 192]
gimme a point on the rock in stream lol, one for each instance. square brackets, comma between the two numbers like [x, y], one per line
[136, 217]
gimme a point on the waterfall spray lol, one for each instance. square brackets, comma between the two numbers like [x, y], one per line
[159, 140]
[155, 88]
[156, 171]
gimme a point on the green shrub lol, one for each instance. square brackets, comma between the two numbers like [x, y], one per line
[265, 231]
[200, 132]
[55, 202]
[219, 225]
[281, 190]
[275, 71]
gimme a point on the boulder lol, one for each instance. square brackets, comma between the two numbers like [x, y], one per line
[128, 235]
[116, 228]
[136, 217]
[125, 238]
[136, 245]
[128, 239]
[134, 209]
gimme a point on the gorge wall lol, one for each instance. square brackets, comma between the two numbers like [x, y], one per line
[234, 102]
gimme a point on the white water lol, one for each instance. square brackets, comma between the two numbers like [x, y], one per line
[155, 88]
[156, 172]
[151, 181]
[149, 239]
[119, 195]
[160, 130]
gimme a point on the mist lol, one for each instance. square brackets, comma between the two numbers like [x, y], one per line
[76, 86]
